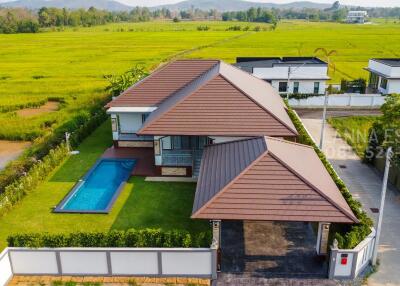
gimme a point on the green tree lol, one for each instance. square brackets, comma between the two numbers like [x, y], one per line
[118, 84]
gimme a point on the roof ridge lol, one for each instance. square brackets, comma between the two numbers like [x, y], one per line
[287, 141]
[154, 115]
[330, 200]
[237, 140]
[295, 132]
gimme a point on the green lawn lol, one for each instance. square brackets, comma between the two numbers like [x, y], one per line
[141, 204]
[355, 130]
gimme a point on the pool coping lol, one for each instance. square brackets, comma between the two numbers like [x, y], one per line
[58, 208]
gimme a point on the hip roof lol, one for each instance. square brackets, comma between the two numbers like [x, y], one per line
[269, 179]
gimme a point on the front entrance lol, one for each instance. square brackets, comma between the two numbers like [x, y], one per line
[271, 249]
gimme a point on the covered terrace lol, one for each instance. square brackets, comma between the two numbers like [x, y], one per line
[264, 195]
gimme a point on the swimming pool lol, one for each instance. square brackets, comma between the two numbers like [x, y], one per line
[99, 188]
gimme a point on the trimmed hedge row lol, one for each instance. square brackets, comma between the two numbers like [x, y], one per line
[114, 238]
[26, 183]
[348, 236]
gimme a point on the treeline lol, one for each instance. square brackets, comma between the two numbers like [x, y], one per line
[274, 15]
[251, 15]
[20, 20]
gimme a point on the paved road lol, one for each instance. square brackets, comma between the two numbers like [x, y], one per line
[365, 185]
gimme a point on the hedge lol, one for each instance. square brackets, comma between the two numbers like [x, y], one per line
[28, 182]
[115, 238]
[348, 236]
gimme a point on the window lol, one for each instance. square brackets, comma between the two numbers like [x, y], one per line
[144, 116]
[296, 86]
[181, 142]
[283, 86]
[316, 87]
[384, 83]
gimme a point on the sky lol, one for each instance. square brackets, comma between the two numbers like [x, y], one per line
[372, 3]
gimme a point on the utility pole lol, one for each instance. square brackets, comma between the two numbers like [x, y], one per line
[321, 141]
[389, 154]
[288, 82]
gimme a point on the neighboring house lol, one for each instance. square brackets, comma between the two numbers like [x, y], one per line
[357, 17]
[384, 75]
[296, 75]
[188, 104]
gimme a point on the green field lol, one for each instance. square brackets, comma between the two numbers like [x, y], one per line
[71, 64]
[354, 130]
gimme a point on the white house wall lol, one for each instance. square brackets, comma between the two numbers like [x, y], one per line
[305, 86]
[281, 72]
[384, 69]
[393, 86]
[130, 122]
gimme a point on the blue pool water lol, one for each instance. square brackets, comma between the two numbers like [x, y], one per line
[99, 188]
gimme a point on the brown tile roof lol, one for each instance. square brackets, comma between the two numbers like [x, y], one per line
[223, 101]
[165, 81]
[270, 179]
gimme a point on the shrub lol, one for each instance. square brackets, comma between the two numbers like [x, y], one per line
[348, 236]
[115, 238]
[385, 131]
[203, 28]
[234, 28]
[25, 184]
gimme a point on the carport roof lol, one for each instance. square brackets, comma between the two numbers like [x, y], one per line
[270, 179]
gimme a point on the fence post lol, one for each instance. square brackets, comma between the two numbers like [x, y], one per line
[109, 266]
[58, 261]
[159, 260]
[332, 263]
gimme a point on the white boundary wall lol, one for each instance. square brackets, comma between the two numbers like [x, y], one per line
[340, 100]
[357, 259]
[152, 262]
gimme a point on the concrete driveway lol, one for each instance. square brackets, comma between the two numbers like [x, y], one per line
[364, 182]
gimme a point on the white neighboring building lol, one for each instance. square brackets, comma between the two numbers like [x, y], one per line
[357, 17]
[307, 75]
[384, 75]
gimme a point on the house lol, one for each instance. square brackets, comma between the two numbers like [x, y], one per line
[297, 75]
[357, 17]
[189, 104]
[384, 75]
[231, 132]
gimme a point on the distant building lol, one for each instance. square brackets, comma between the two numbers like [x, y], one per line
[357, 17]
[384, 75]
[307, 75]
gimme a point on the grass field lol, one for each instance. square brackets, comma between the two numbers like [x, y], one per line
[141, 204]
[70, 64]
[355, 130]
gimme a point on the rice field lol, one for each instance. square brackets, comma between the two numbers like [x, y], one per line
[70, 64]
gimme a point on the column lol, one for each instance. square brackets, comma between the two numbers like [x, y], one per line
[322, 238]
[216, 242]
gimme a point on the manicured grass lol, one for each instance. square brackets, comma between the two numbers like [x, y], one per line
[71, 64]
[140, 205]
[355, 130]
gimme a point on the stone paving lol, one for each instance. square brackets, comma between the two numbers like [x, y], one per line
[364, 182]
[270, 253]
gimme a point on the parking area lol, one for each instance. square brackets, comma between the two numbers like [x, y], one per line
[271, 250]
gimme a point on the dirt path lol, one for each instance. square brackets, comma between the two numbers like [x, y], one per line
[10, 150]
[50, 106]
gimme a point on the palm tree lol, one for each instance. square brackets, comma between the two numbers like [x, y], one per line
[327, 56]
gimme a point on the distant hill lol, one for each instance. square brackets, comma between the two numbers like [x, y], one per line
[112, 5]
[70, 4]
[238, 5]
